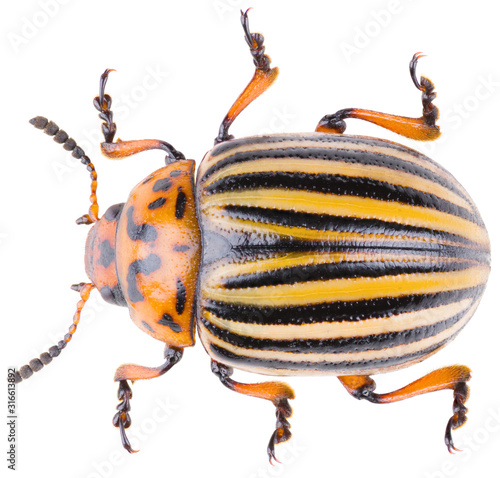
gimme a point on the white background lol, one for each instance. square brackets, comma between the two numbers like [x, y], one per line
[332, 55]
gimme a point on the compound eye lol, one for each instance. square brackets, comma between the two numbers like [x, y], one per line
[113, 295]
[114, 212]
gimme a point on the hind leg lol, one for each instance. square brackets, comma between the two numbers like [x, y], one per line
[422, 129]
[453, 378]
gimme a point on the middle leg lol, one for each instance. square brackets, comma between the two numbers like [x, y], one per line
[262, 79]
[276, 392]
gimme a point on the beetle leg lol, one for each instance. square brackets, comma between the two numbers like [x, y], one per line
[277, 392]
[133, 372]
[454, 378]
[121, 149]
[263, 78]
[422, 129]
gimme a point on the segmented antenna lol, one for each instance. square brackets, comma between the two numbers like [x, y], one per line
[69, 144]
[26, 371]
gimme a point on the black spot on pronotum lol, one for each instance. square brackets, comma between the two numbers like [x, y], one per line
[89, 252]
[107, 256]
[114, 212]
[180, 297]
[149, 178]
[169, 322]
[180, 205]
[147, 326]
[157, 204]
[139, 232]
[140, 266]
[162, 185]
[181, 248]
[175, 173]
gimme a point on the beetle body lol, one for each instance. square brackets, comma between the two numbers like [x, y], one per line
[290, 254]
[321, 253]
[333, 254]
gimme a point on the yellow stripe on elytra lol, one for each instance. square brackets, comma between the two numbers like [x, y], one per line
[225, 270]
[321, 166]
[351, 289]
[227, 223]
[388, 353]
[350, 206]
[292, 140]
[342, 329]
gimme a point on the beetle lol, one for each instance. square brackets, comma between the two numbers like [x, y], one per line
[290, 254]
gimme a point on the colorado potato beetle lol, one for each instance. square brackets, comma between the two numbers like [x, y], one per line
[290, 254]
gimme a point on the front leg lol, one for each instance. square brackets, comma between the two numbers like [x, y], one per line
[134, 372]
[276, 392]
[422, 129]
[121, 149]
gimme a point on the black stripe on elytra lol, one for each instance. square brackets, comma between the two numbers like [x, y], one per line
[180, 204]
[341, 345]
[355, 365]
[339, 270]
[157, 203]
[339, 185]
[326, 138]
[181, 248]
[326, 222]
[140, 266]
[180, 296]
[333, 154]
[253, 252]
[114, 212]
[107, 256]
[339, 311]
[139, 232]
[168, 321]
[162, 185]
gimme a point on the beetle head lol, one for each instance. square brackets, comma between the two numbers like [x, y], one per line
[100, 256]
